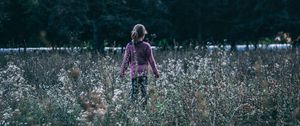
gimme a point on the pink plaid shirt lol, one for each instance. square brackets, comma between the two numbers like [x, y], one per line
[138, 56]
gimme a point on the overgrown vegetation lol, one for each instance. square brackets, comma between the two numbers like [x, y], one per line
[196, 87]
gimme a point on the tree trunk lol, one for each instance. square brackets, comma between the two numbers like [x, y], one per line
[233, 45]
[98, 44]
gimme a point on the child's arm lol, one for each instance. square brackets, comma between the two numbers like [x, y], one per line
[126, 60]
[151, 60]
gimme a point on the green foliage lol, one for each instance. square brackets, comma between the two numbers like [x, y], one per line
[71, 22]
[266, 41]
[88, 45]
[163, 43]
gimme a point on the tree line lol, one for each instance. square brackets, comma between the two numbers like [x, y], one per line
[99, 23]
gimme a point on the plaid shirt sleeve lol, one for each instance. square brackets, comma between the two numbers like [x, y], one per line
[126, 60]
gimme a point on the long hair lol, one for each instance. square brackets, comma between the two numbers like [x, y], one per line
[138, 32]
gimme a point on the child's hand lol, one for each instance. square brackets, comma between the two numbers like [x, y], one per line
[156, 76]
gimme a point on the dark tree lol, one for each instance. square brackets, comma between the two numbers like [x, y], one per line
[99, 23]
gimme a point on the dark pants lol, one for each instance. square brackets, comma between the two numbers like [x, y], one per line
[139, 83]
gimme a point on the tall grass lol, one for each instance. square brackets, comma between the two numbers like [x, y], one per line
[195, 87]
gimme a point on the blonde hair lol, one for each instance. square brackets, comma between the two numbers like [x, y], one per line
[138, 32]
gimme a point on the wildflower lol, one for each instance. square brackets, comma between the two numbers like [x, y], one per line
[247, 107]
[16, 112]
[201, 104]
[100, 112]
[224, 63]
[93, 106]
[277, 65]
[277, 39]
[70, 111]
[296, 113]
[6, 115]
[117, 94]
[197, 82]
[74, 73]
[257, 66]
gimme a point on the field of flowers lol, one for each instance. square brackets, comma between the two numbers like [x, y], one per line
[197, 87]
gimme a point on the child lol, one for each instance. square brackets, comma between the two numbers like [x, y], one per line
[139, 55]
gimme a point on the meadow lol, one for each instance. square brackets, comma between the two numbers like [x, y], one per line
[196, 87]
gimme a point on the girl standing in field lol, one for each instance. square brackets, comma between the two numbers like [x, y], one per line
[138, 54]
